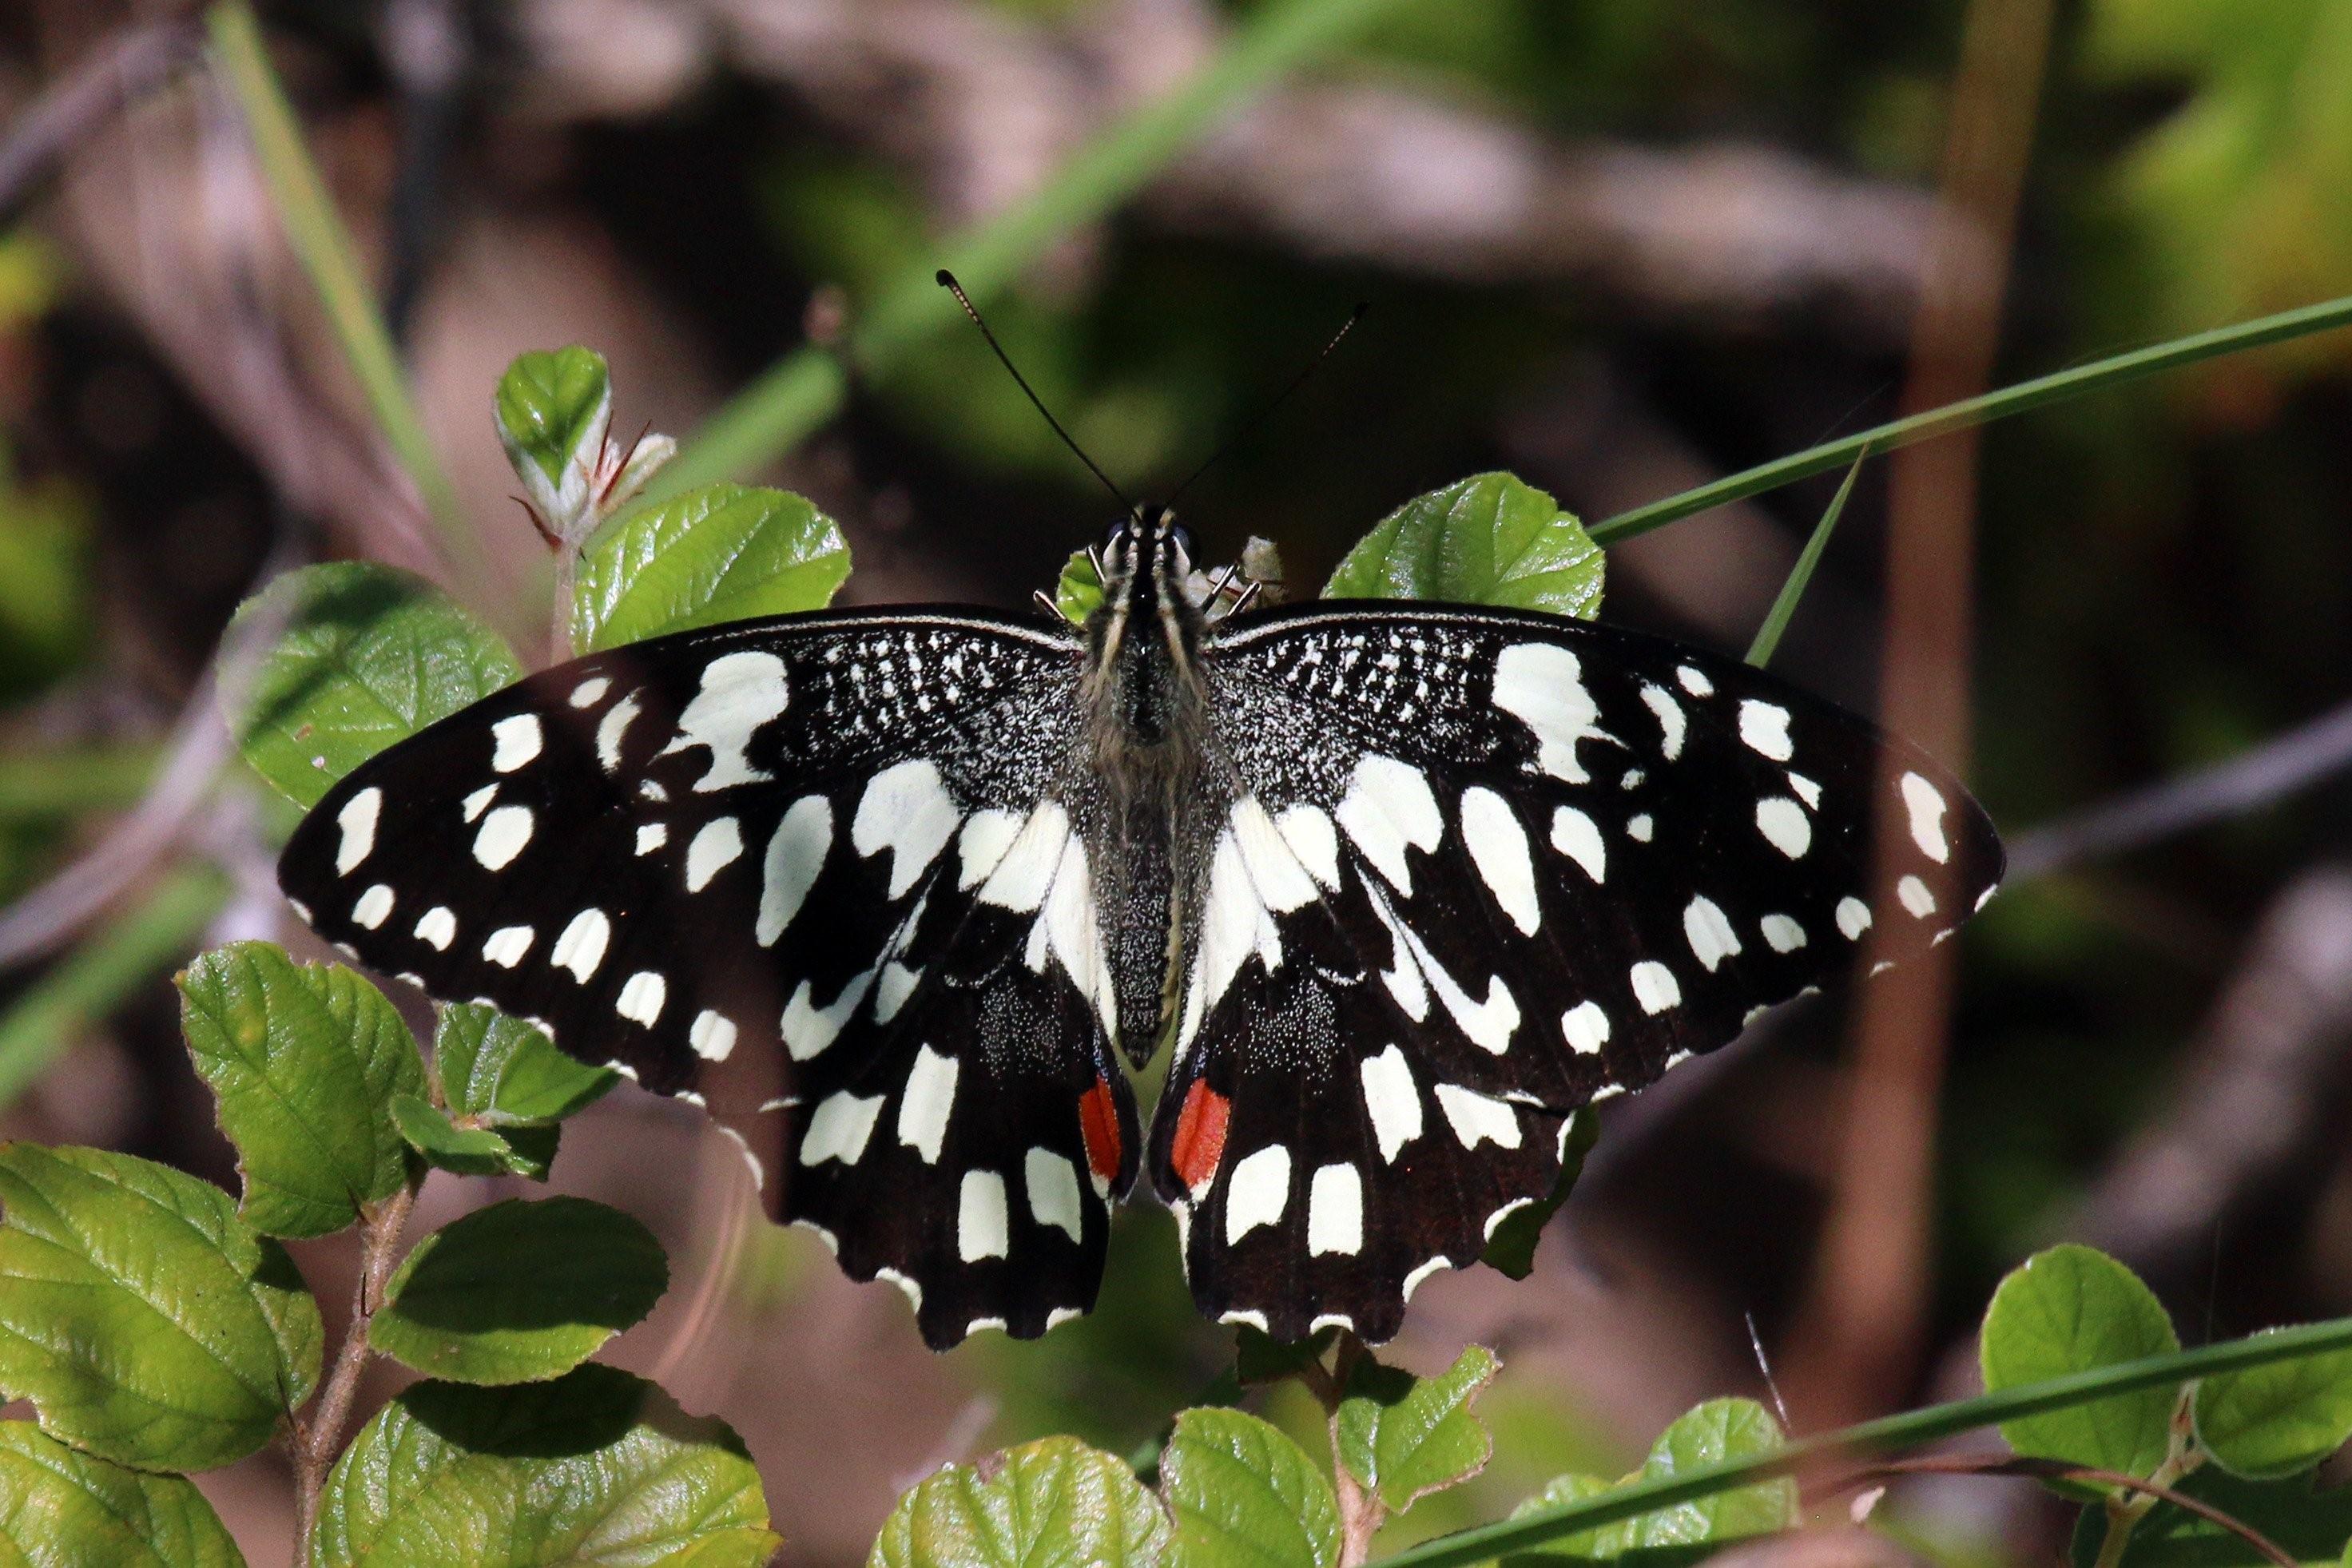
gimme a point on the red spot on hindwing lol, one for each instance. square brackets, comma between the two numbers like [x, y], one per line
[1099, 1124]
[1200, 1134]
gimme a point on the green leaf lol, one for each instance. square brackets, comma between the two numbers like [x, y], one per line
[1405, 1437]
[1511, 1244]
[1487, 540]
[2073, 1309]
[2270, 1422]
[1052, 1503]
[60, 1508]
[305, 1058]
[502, 1072]
[2311, 1527]
[145, 1320]
[725, 552]
[553, 409]
[519, 1292]
[1079, 591]
[361, 656]
[1607, 1541]
[595, 1468]
[473, 1151]
[1244, 1496]
[1705, 1435]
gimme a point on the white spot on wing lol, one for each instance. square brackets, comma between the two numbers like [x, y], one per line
[1478, 1118]
[1672, 725]
[1576, 835]
[508, 945]
[357, 819]
[516, 740]
[1335, 1211]
[504, 833]
[438, 927]
[808, 1028]
[930, 1098]
[580, 947]
[795, 854]
[1277, 878]
[373, 907]
[1654, 987]
[1782, 933]
[1026, 864]
[839, 1127]
[1257, 1191]
[1915, 897]
[590, 691]
[611, 728]
[1765, 727]
[739, 693]
[651, 836]
[712, 1036]
[1926, 803]
[1710, 933]
[907, 811]
[1053, 1185]
[1784, 825]
[1388, 806]
[714, 848]
[1541, 685]
[1498, 848]
[1852, 918]
[980, 847]
[1807, 791]
[983, 1228]
[1585, 1027]
[1392, 1100]
[642, 997]
[1413, 1281]
[1693, 681]
[1308, 830]
[897, 982]
[472, 807]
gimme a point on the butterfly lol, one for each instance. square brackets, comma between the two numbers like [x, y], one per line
[902, 895]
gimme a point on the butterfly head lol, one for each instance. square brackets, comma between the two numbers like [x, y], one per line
[1145, 558]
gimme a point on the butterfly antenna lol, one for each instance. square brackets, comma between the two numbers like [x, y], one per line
[1278, 400]
[946, 280]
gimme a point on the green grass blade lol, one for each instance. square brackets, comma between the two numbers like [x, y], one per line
[807, 388]
[1871, 1438]
[324, 245]
[2057, 388]
[1801, 576]
[84, 987]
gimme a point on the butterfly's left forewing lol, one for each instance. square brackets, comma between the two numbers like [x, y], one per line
[1469, 871]
[817, 873]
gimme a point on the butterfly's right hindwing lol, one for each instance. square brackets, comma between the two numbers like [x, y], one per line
[818, 866]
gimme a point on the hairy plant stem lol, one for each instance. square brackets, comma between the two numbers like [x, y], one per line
[316, 1440]
[1361, 1512]
[2124, 1510]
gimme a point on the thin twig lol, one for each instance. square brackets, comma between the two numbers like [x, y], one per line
[2278, 767]
[116, 74]
[2058, 1470]
[315, 1440]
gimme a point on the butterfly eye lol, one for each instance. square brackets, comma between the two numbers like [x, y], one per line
[1181, 538]
[1115, 535]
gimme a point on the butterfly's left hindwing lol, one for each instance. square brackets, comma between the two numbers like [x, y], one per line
[1465, 872]
[816, 872]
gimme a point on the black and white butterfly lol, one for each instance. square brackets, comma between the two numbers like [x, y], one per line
[1402, 885]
